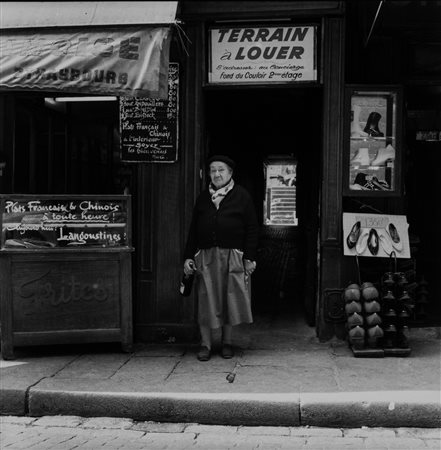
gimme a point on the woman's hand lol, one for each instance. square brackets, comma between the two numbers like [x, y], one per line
[250, 266]
[189, 267]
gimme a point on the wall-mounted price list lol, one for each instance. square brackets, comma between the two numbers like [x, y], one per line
[149, 127]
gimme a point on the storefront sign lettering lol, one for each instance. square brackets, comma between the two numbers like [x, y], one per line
[66, 290]
[58, 223]
[263, 54]
[126, 61]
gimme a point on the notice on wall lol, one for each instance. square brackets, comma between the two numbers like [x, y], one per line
[263, 55]
[149, 127]
[280, 193]
[30, 222]
[375, 235]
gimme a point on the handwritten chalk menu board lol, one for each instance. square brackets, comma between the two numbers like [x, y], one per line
[149, 127]
[38, 222]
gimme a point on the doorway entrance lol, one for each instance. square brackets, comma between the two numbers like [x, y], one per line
[257, 128]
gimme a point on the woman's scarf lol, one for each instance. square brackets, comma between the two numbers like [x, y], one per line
[217, 195]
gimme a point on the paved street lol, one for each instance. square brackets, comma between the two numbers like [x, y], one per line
[72, 432]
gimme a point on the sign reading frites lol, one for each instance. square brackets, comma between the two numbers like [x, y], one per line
[263, 55]
[130, 61]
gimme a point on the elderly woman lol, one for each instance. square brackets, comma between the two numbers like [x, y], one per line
[221, 249]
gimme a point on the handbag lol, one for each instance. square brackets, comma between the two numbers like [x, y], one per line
[186, 285]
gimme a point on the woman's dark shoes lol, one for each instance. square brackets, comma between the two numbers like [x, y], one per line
[204, 353]
[371, 127]
[373, 242]
[227, 351]
[353, 235]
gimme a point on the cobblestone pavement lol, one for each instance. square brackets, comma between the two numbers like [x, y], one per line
[72, 432]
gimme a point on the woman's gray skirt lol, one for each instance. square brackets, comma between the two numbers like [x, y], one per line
[224, 291]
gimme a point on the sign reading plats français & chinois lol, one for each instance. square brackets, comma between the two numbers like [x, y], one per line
[263, 55]
[50, 221]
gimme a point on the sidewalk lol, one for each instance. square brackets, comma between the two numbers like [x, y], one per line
[282, 377]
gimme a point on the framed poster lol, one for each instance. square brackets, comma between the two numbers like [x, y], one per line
[280, 192]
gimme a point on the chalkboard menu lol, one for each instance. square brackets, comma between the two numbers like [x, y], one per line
[38, 222]
[149, 127]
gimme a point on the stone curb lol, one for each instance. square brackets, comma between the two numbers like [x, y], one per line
[337, 409]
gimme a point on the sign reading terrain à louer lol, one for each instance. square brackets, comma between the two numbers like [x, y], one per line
[283, 54]
[130, 61]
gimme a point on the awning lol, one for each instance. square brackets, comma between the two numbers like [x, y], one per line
[69, 14]
[78, 56]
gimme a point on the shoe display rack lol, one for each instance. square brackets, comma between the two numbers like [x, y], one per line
[373, 130]
[378, 315]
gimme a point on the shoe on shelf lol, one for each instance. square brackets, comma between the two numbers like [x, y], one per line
[371, 127]
[372, 320]
[373, 242]
[353, 235]
[352, 292]
[384, 154]
[361, 157]
[361, 245]
[227, 351]
[204, 353]
[397, 244]
[372, 307]
[356, 337]
[388, 280]
[352, 307]
[356, 130]
[374, 336]
[385, 242]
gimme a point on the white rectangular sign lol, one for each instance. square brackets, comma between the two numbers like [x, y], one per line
[377, 235]
[263, 55]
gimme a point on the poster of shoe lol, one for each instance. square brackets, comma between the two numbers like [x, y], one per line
[375, 235]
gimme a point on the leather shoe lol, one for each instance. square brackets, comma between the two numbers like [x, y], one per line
[353, 235]
[373, 241]
[396, 241]
[227, 351]
[204, 353]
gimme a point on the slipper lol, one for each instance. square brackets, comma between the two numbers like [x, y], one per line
[397, 244]
[385, 242]
[361, 245]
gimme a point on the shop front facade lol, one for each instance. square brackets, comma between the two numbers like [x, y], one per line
[276, 86]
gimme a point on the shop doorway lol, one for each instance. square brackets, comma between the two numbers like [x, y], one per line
[261, 129]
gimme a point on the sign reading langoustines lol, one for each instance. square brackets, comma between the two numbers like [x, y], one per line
[149, 127]
[263, 55]
[38, 222]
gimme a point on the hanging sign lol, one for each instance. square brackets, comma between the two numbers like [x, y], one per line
[263, 55]
[130, 61]
[149, 127]
[375, 235]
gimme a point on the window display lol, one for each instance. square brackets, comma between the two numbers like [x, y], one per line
[374, 147]
[280, 192]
